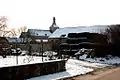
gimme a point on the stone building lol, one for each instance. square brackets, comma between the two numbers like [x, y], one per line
[39, 37]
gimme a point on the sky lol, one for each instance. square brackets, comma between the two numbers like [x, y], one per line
[38, 14]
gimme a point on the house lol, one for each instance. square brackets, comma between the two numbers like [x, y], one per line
[39, 34]
[91, 29]
[37, 37]
[74, 35]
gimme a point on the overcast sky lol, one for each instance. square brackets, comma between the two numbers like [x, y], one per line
[39, 13]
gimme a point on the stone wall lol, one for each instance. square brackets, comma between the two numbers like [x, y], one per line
[22, 72]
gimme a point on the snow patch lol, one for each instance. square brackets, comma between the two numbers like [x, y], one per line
[22, 60]
[107, 60]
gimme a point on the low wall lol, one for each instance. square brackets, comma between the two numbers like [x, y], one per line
[22, 72]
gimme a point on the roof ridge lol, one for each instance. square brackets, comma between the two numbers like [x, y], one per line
[39, 29]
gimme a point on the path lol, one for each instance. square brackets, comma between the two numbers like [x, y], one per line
[103, 74]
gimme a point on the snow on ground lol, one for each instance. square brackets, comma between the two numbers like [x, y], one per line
[86, 64]
[72, 69]
[73, 66]
[22, 60]
[107, 60]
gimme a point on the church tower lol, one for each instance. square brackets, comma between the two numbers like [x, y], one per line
[53, 27]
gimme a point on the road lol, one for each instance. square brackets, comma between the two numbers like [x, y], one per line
[103, 74]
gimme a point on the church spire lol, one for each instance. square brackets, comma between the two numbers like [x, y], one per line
[54, 22]
[53, 27]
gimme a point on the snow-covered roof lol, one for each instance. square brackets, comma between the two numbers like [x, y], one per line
[38, 32]
[80, 29]
[16, 40]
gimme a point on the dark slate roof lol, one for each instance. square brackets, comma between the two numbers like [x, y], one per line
[91, 29]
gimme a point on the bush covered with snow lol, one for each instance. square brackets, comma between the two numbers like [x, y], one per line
[109, 59]
[50, 54]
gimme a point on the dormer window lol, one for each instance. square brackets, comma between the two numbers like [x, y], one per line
[45, 34]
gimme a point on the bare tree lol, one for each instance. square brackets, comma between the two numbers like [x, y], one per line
[113, 35]
[3, 26]
[6, 32]
[16, 32]
[22, 29]
[3, 22]
[12, 32]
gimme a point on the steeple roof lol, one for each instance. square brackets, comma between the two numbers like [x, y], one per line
[54, 23]
[53, 27]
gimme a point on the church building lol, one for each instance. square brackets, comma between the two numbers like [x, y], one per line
[39, 34]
